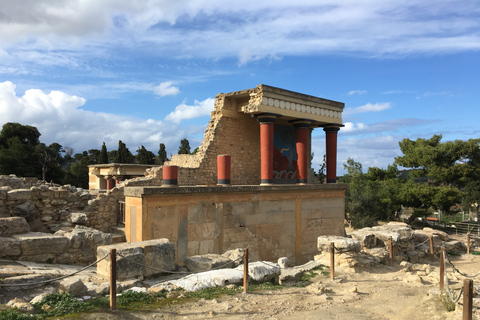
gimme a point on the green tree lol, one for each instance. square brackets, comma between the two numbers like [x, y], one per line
[77, 175]
[26, 135]
[162, 154]
[144, 156]
[184, 147]
[103, 154]
[452, 163]
[18, 154]
[123, 154]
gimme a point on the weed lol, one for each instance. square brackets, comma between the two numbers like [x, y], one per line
[447, 303]
[475, 253]
[64, 303]
[13, 314]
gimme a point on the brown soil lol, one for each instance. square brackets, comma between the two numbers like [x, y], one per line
[381, 292]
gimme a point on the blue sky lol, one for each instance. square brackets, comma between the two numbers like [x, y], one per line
[146, 72]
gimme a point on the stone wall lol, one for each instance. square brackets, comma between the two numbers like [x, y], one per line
[51, 208]
[77, 246]
[272, 221]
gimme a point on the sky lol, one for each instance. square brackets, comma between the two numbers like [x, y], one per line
[146, 72]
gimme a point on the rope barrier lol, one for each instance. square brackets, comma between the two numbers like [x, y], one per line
[456, 270]
[419, 244]
[56, 279]
[448, 285]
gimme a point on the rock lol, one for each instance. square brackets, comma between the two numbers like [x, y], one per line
[79, 218]
[353, 289]
[13, 225]
[36, 225]
[38, 298]
[203, 280]
[283, 262]
[341, 243]
[236, 255]
[312, 264]
[379, 254]
[137, 289]
[262, 271]
[21, 305]
[9, 247]
[318, 289]
[33, 279]
[73, 285]
[18, 194]
[132, 258]
[289, 275]
[455, 246]
[366, 237]
[406, 233]
[33, 243]
[425, 233]
[207, 262]
[26, 210]
[414, 280]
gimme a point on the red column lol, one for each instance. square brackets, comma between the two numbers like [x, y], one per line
[331, 148]
[109, 182]
[302, 137]
[223, 169]
[118, 179]
[266, 147]
[170, 176]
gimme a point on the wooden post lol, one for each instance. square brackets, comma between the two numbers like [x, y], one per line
[442, 270]
[332, 260]
[468, 243]
[390, 250]
[113, 279]
[245, 270]
[467, 299]
[431, 248]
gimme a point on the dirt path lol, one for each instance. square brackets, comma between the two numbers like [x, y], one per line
[382, 292]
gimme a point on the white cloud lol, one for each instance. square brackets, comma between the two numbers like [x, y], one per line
[166, 89]
[59, 118]
[359, 92]
[183, 111]
[350, 126]
[369, 107]
[65, 29]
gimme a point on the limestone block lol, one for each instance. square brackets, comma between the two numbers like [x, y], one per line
[379, 254]
[340, 243]
[290, 275]
[455, 246]
[236, 255]
[383, 235]
[3, 194]
[202, 280]
[207, 262]
[13, 225]
[35, 242]
[406, 233]
[9, 247]
[26, 279]
[425, 233]
[262, 271]
[26, 210]
[159, 253]
[73, 285]
[367, 239]
[18, 194]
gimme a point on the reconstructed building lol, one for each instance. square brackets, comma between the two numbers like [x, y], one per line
[271, 204]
